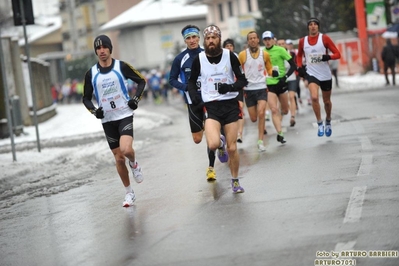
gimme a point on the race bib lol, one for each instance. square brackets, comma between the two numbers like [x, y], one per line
[314, 58]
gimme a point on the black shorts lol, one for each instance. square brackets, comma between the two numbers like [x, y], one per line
[196, 117]
[115, 129]
[292, 85]
[225, 112]
[253, 96]
[240, 96]
[324, 85]
[277, 89]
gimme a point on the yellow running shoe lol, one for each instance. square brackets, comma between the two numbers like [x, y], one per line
[210, 174]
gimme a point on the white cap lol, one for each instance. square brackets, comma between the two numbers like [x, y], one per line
[289, 41]
[267, 34]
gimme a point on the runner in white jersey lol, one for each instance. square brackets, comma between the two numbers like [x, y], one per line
[107, 80]
[316, 48]
[217, 68]
[257, 65]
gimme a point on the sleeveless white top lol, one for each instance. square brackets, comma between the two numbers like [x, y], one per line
[255, 72]
[313, 54]
[212, 74]
[111, 93]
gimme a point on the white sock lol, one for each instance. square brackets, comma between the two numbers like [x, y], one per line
[129, 189]
[133, 164]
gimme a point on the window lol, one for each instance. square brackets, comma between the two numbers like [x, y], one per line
[220, 6]
[249, 5]
[230, 3]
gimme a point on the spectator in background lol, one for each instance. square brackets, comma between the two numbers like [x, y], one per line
[388, 55]
[155, 85]
[334, 70]
[54, 93]
[66, 91]
[73, 94]
[165, 83]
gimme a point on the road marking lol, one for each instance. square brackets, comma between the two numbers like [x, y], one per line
[365, 165]
[344, 246]
[366, 143]
[355, 205]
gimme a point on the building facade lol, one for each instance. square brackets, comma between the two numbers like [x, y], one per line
[149, 34]
[235, 18]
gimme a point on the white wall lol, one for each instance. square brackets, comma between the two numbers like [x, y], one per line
[142, 46]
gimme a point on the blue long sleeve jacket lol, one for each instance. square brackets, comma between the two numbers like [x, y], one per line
[181, 68]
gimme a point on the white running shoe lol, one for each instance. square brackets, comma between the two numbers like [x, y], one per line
[129, 199]
[137, 173]
[261, 147]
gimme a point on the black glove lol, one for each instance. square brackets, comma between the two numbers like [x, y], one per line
[302, 72]
[275, 73]
[195, 97]
[99, 113]
[133, 103]
[224, 88]
[325, 57]
[282, 81]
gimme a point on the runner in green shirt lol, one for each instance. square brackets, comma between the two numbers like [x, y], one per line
[277, 86]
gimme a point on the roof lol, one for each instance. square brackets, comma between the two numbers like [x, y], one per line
[155, 11]
[43, 26]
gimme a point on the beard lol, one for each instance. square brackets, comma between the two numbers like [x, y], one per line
[215, 50]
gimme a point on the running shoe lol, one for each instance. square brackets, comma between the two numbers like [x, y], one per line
[210, 174]
[320, 130]
[328, 130]
[235, 186]
[280, 138]
[129, 199]
[267, 116]
[222, 152]
[292, 121]
[137, 173]
[239, 138]
[261, 147]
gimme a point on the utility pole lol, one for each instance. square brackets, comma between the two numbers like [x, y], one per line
[32, 87]
[73, 29]
[311, 7]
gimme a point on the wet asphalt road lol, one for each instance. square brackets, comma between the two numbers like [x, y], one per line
[311, 194]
